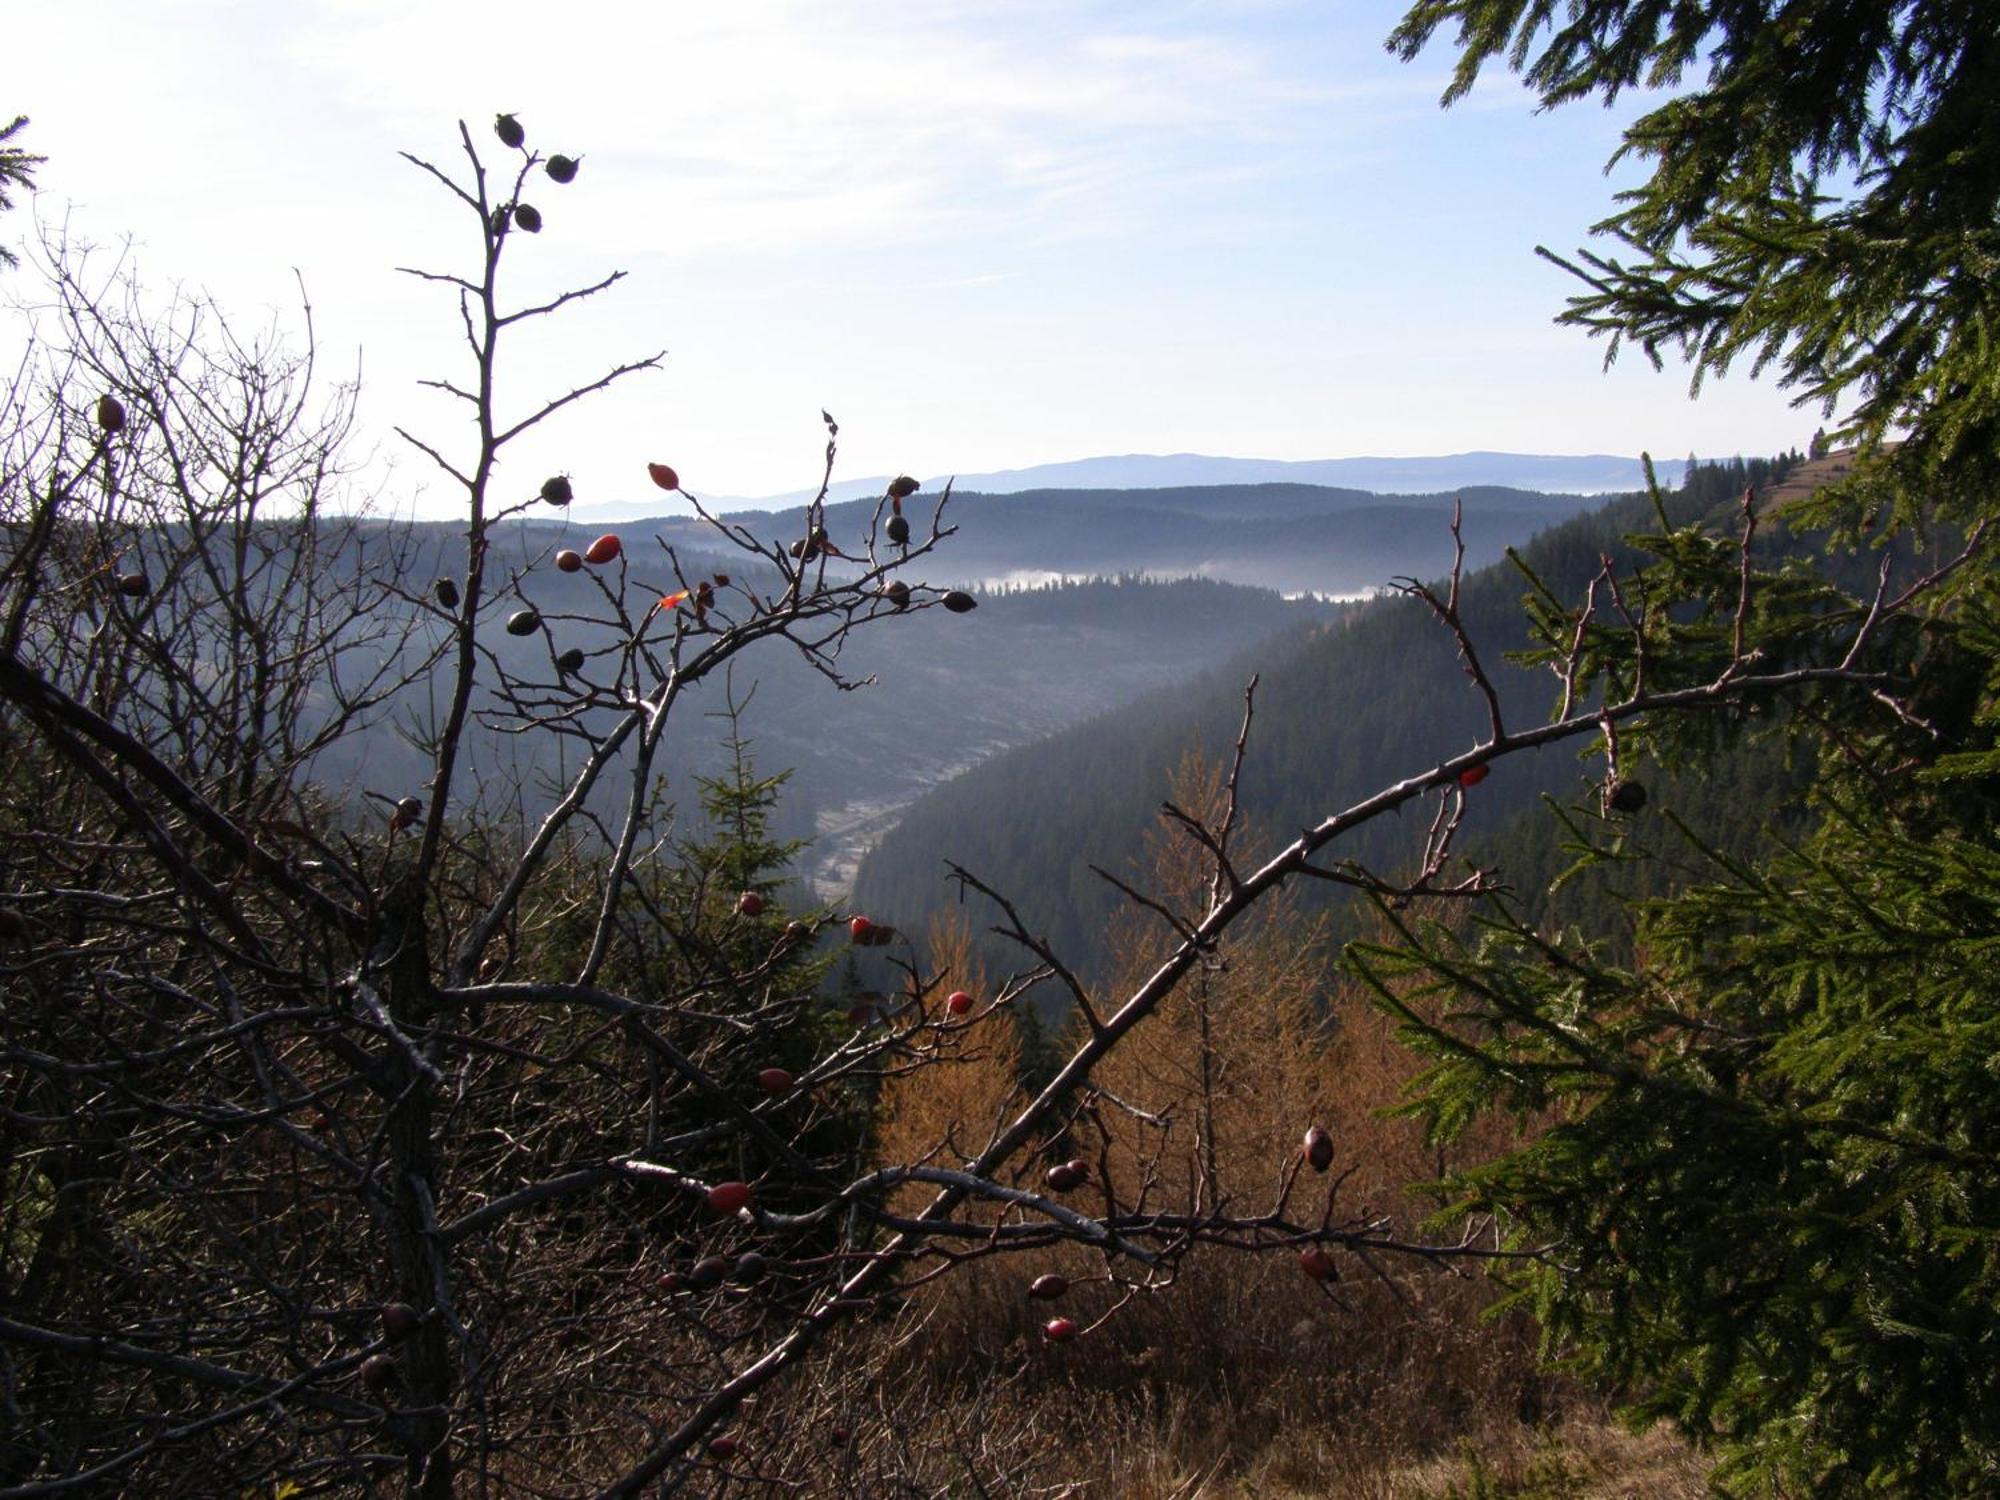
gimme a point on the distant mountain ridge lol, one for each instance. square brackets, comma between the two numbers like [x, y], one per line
[1552, 473]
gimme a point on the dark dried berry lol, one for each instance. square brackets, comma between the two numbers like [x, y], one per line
[959, 602]
[134, 585]
[523, 622]
[556, 490]
[400, 1320]
[1319, 1149]
[110, 414]
[902, 487]
[12, 923]
[570, 661]
[378, 1373]
[509, 130]
[408, 810]
[899, 531]
[898, 594]
[447, 592]
[1065, 1176]
[1048, 1287]
[1626, 797]
[561, 168]
[707, 1272]
[528, 217]
[751, 1266]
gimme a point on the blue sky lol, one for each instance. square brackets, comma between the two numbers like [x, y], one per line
[985, 235]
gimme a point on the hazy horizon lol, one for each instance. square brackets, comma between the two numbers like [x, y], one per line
[1238, 229]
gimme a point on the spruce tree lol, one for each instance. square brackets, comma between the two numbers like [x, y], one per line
[1821, 201]
[17, 170]
[1760, 1156]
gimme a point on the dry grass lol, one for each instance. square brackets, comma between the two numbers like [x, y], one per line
[1808, 478]
[874, 1426]
[1584, 1457]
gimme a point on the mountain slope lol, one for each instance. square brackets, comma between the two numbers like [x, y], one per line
[1295, 538]
[1359, 703]
[947, 691]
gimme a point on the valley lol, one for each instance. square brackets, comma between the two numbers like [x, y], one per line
[1088, 600]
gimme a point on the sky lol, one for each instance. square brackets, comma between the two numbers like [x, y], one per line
[984, 234]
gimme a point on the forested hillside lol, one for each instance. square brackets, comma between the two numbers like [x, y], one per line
[1089, 599]
[948, 690]
[1292, 537]
[1339, 712]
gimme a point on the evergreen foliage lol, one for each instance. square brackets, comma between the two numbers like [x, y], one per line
[1763, 1171]
[17, 170]
[740, 854]
[1821, 202]
[1769, 1184]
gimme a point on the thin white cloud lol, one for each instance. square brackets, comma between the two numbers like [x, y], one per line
[853, 124]
[967, 283]
[1091, 224]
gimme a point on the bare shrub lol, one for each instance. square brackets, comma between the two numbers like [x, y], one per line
[417, 1136]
